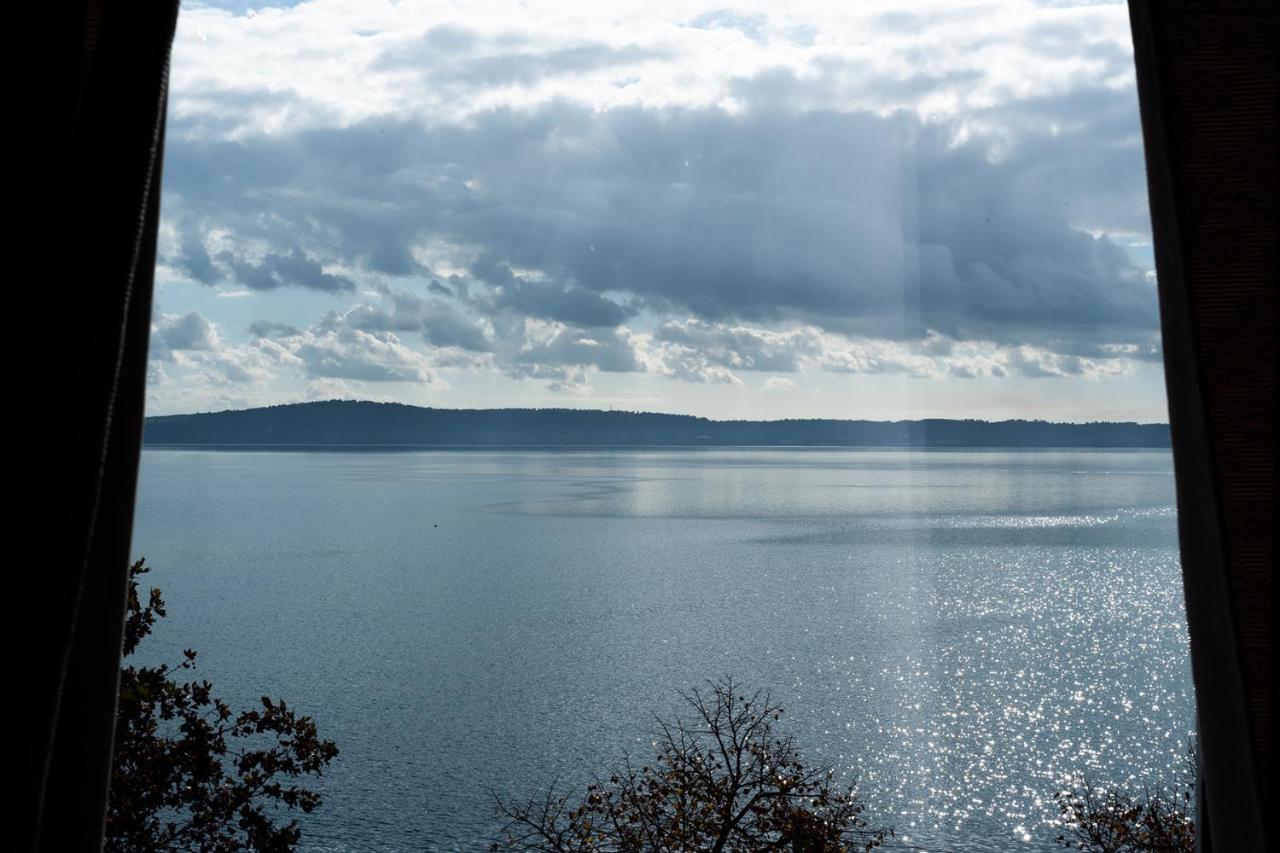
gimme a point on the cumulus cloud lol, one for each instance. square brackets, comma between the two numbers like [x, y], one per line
[465, 59]
[193, 343]
[272, 270]
[283, 269]
[339, 346]
[706, 352]
[557, 347]
[553, 196]
[741, 347]
[335, 348]
[850, 221]
[190, 331]
[440, 322]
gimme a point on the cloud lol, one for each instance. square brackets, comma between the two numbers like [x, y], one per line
[334, 389]
[740, 347]
[282, 270]
[557, 346]
[193, 259]
[458, 57]
[447, 328]
[697, 351]
[558, 301]
[194, 344]
[690, 365]
[334, 348]
[555, 196]
[440, 322]
[190, 331]
[546, 299]
[850, 221]
[290, 268]
[753, 26]
[270, 329]
[340, 346]
[637, 53]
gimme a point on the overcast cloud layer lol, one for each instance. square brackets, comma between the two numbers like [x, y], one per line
[727, 211]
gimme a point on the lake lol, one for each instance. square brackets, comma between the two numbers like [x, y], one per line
[961, 630]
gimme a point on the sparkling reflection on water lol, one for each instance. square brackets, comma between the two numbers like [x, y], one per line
[964, 631]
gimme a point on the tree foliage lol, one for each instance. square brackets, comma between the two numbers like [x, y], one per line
[1110, 820]
[191, 774]
[724, 779]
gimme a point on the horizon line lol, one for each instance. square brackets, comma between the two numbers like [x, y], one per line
[613, 410]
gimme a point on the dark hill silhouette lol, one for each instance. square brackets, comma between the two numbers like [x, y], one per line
[352, 423]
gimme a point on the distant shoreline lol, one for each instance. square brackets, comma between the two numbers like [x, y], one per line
[353, 425]
[582, 448]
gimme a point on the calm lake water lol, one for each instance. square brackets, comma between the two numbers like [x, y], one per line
[960, 630]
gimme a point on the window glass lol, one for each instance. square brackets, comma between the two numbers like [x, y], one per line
[914, 240]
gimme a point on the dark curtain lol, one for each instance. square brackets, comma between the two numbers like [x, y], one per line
[1208, 93]
[92, 223]
[1207, 75]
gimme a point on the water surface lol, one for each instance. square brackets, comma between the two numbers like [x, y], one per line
[961, 630]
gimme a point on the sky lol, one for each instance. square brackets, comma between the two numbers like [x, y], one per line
[764, 210]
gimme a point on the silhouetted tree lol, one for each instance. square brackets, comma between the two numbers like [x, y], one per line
[191, 774]
[1110, 820]
[724, 779]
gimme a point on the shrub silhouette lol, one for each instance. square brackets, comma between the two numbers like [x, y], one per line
[724, 779]
[191, 774]
[1109, 820]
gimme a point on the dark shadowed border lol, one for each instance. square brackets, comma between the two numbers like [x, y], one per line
[90, 223]
[1207, 88]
